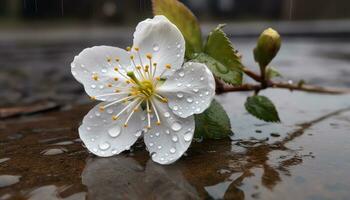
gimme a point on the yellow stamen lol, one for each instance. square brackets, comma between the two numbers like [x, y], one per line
[116, 69]
[128, 48]
[109, 85]
[158, 123]
[158, 78]
[136, 49]
[125, 125]
[114, 117]
[116, 90]
[117, 59]
[102, 108]
[132, 57]
[149, 56]
[108, 59]
[95, 77]
[168, 66]
[116, 78]
[138, 67]
[93, 98]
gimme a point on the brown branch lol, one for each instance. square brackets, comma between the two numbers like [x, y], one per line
[306, 88]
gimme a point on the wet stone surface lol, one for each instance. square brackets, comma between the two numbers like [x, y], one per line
[309, 160]
[304, 157]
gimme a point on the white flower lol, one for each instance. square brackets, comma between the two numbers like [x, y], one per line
[146, 90]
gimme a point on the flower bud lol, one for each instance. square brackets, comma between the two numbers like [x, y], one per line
[267, 47]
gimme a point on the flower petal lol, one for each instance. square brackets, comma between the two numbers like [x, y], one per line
[163, 40]
[190, 90]
[169, 140]
[104, 136]
[94, 68]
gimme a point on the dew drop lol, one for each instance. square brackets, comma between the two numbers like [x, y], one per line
[94, 150]
[93, 86]
[155, 47]
[138, 133]
[166, 114]
[115, 131]
[201, 78]
[175, 108]
[101, 87]
[174, 138]
[207, 93]
[172, 150]
[178, 55]
[151, 144]
[181, 74]
[167, 132]
[97, 113]
[114, 151]
[195, 90]
[104, 146]
[104, 70]
[157, 134]
[189, 100]
[88, 128]
[179, 84]
[188, 136]
[180, 95]
[109, 111]
[178, 46]
[188, 85]
[176, 126]
[159, 147]
[92, 139]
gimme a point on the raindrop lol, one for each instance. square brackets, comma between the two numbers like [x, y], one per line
[181, 74]
[167, 132]
[176, 126]
[180, 95]
[138, 133]
[178, 55]
[115, 131]
[104, 146]
[175, 108]
[74, 73]
[114, 151]
[93, 86]
[101, 86]
[174, 138]
[195, 90]
[166, 114]
[104, 70]
[97, 113]
[92, 139]
[189, 100]
[94, 150]
[109, 111]
[157, 134]
[153, 154]
[188, 85]
[198, 109]
[188, 136]
[179, 84]
[159, 147]
[172, 150]
[88, 128]
[178, 46]
[207, 93]
[156, 47]
[151, 144]
[201, 78]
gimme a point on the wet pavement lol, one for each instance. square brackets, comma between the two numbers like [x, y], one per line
[304, 157]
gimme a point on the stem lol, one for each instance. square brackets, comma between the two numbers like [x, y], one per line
[263, 84]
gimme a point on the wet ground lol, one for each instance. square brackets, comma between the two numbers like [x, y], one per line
[304, 157]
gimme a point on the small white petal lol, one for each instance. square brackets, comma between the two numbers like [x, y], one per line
[94, 68]
[104, 136]
[175, 136]
[162, 39]
[197, 85]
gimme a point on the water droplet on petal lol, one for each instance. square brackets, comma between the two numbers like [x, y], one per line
[174, 138]
[180, 95]
[92, 139]
[110, 111]
[189, 100]
[153, 154]
[104, 146]
[195, 90]
[159, 147]
[176, 126]
[181, 74]
[93, 86]
[167, 132]
[156, 47]
[178, 46]
[88, 128]
[157, 134]
[207, 93]
[172, 150]
[188, 85]
[201, 78]
[115, 131]
[151, 144]
[97, 113]
[114, 151]
[74, 73]
[138, 133]
[179, 84]
[178, 55]
[175, 108]
[188, 136]
[104, 70]
[166, 114]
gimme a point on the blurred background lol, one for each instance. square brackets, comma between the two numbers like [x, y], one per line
[39, 38]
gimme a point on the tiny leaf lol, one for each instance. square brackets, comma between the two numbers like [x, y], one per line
[221, 57]
[185, 21]
[262, 108]
[272, 72]
[213, 123]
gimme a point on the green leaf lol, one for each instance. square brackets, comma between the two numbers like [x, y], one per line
[272, 72]
[221, 57]
[185, 21]
[213, 123]
[262, 108]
